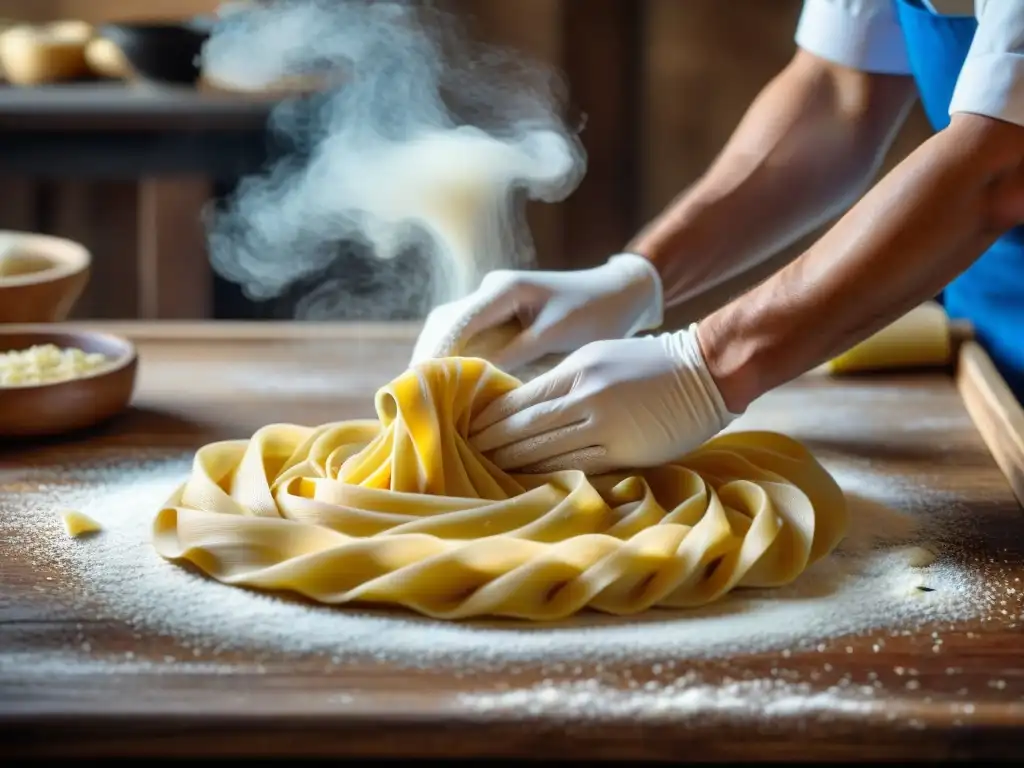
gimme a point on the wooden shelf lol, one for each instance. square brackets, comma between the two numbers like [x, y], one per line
[115, 106]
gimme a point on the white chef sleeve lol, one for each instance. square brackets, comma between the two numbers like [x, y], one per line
[991, 81]
[860, 34]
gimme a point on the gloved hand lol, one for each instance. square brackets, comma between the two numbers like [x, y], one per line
[611, 405]
[546, 312]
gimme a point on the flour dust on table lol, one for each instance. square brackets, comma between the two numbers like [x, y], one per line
[867, 587]
[684, 696]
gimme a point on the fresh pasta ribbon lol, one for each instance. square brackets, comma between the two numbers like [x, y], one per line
[403, 511]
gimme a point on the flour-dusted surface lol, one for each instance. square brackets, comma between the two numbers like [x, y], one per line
[870, 585]
[876, 633]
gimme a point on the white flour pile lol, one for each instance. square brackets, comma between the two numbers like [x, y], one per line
[868, 585]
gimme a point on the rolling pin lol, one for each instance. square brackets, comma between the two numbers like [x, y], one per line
[925, 337]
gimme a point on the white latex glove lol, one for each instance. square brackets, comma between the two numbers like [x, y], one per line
[611, 405]
[525, 315]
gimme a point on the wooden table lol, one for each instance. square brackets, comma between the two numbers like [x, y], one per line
[954, 689]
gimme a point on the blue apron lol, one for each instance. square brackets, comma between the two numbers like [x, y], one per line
[990, 293]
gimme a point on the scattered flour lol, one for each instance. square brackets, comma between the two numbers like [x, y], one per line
[683, 697]
[70, 663]
[867, 584]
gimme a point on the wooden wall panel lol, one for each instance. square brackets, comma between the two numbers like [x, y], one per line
[66, 211]
[114, 242]
[592, 45]
[18, 203]
[535, 28]
[703, 65]
[602, 64]
[175, 280]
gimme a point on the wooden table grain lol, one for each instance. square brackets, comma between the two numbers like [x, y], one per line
[203, 382]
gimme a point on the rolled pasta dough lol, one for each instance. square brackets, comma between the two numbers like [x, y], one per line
[402, 510]
[919, 338]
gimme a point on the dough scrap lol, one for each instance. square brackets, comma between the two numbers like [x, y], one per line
[402, 511]
[78, 523]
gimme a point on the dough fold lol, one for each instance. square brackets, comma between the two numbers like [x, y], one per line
[403, 511]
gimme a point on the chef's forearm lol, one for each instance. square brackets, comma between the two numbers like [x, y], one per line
[920, 227]
[807, 147]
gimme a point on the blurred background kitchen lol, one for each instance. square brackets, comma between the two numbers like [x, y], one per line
[110, 136]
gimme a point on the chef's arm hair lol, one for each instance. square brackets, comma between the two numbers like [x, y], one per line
[922, 225]
[807, 147]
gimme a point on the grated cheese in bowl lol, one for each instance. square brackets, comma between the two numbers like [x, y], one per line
[48, 364]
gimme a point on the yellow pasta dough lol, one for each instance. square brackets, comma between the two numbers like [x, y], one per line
[78, 523]
[402, 511]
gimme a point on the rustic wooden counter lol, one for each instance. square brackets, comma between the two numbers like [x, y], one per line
[74, 681]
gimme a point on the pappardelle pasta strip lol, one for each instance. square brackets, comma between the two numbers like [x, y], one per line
[405, 512]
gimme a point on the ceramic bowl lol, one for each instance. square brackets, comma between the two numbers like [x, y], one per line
[41, 277]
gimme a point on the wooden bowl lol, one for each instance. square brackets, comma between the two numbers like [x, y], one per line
[45, 410]
[34, 55]
[41, 277]
[105, 59]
